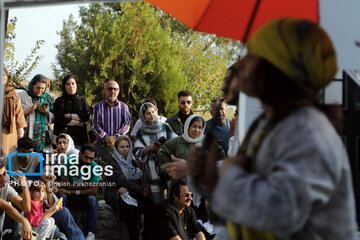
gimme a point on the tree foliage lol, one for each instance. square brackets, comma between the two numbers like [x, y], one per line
[146, 51]
[124, 43]
[19, 71]
[205, 58]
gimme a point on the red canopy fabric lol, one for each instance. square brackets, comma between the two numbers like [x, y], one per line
[231, 18]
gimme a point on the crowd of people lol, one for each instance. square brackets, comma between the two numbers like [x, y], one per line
[142, 165]
[182, 177]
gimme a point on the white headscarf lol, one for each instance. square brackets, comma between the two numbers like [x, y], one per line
[154, 128]
[130, 172]
[186, 130]
[71, 146]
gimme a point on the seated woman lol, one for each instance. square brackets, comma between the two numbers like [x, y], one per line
[149, 139]
[127, 192]
[65, 144]
[173, 154]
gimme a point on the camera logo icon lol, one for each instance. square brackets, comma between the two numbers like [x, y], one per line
[14, 155]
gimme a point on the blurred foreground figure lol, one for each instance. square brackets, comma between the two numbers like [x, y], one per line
[291, 177]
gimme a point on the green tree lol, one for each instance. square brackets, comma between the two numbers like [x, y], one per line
[149, 53]
[205, 58]
[124, 42]
[19, 71]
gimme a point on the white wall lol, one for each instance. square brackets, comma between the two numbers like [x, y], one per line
[341, 19]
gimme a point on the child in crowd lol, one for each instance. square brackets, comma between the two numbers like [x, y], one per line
[42, 223]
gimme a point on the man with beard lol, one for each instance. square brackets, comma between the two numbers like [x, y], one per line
[26, 164]
[185, 103]
[218, 125]
[174, 219]
[80, 189]
[111, 118]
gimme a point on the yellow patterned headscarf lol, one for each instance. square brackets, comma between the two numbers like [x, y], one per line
[299, 48]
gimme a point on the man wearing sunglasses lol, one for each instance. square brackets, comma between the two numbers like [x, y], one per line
[218, 125]
[80, 191]
[185, 103]
[174, 219]
[111, 118]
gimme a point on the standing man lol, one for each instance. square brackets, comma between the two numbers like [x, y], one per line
[185, 103]
[81, 190]
[174, 219]
[219, 124]
[111, 118]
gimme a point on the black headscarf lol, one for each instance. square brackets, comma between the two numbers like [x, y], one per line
[65, 94]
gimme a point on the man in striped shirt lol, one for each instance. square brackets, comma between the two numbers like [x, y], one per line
[111, 118]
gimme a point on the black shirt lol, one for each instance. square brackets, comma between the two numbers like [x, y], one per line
[77, 105]
[167, 222]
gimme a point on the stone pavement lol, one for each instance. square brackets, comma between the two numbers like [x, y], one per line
[109, 226]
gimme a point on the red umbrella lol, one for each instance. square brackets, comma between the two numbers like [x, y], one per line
[236, 19]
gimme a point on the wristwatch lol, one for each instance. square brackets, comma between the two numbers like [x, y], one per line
[77, 192]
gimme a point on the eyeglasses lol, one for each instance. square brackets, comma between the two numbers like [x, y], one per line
[217, 100]
[188, 194]
[112, 88]
[182, 102]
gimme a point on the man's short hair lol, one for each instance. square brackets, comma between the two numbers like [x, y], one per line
[184, 93]
[87, 146]
[175, 189]
[25, 143]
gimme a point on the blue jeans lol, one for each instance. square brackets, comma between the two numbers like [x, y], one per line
[67, 225]
[91, 207]
[9, 223]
